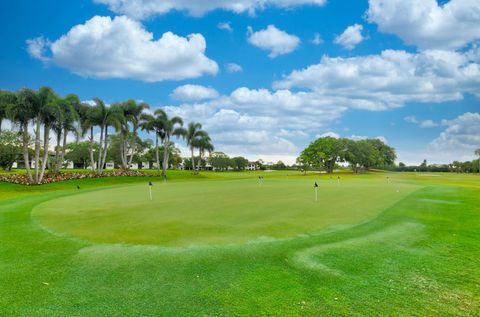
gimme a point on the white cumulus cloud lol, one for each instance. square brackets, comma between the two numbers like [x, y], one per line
[317, 39]
[392, 78]
[459, 140]
[141, 9]
[351, 37]
[422, 123]
[121, 48]
[426, 23]
[226, 26]
[234, 68]
[194, 93]
[276, 41]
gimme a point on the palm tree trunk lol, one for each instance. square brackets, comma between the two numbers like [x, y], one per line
[25, 153]
[57, 152]
[100, 150]
[193, 161]
[37, 149]
[134, 144]
[157, 156]
[125, 154]
[64, 147]
[200, 155]
[92, 160]
[105, 148]
[122, 151]
[165, 156]
[46, 135]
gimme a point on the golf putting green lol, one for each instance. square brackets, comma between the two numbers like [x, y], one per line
[216, 212]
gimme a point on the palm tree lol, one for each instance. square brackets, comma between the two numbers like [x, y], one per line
[65, 123]
[7, 99]
[87, 121]
[204, 144]
[57, 128]
[133, 113]
[46, 112]
[171, 127]
[122, 128]
[193, 134]
[21, 112]
[104, 117]
[154, 124]
[51, 113]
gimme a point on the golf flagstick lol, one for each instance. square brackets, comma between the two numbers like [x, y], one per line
[150, 189]
[315, 186]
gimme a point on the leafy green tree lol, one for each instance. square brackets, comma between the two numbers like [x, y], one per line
[279, 166]
[384, 155]
[220, 161]
[10, 148]
[302, 164]
[366, 156]
[187, 163]
[239, 163]
[324, 153]
[79, 153]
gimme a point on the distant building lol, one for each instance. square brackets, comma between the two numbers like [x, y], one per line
[252, 166]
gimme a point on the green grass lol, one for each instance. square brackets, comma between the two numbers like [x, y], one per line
[221, 245]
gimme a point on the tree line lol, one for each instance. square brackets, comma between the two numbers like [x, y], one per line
[454, 167]
[326, 152]
[49, 113]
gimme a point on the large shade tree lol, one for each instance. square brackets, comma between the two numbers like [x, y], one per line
[325, 152]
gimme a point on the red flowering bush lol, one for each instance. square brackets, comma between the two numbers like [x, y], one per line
[52, 178]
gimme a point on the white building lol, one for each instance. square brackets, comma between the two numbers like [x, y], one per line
[252, 166]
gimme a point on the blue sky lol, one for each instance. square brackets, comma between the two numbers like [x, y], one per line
[403, 70]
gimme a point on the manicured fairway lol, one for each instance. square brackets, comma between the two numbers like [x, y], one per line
[221, 245]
